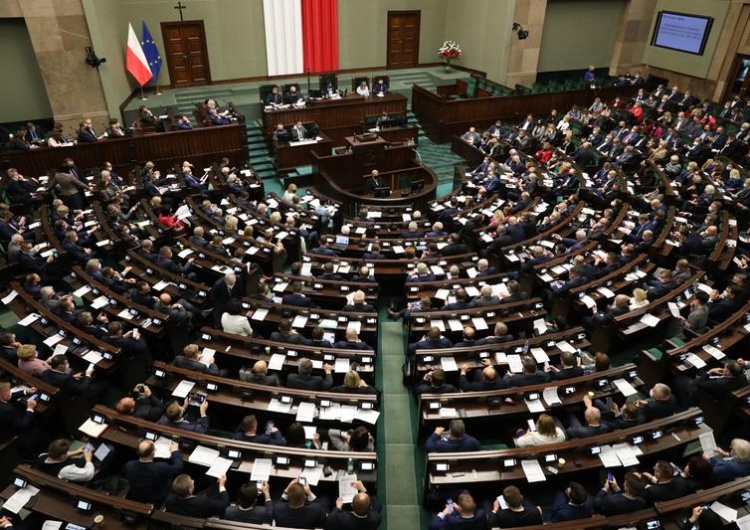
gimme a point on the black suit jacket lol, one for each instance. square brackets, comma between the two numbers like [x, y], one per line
[67, 383]
[14, 419]
[309, 382]
[196, 506]
[150, 481]
[608, 503]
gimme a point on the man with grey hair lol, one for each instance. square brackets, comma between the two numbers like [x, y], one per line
[661, 405]
[304, 379]
[485, 298]
[222, 291]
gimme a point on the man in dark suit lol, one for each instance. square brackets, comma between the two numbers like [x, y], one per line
[209, 503]
[488, 379]
[259, 374]
[584, 156]
[80, 384]
[191, 360]
[499, 334]
[454, 246]
[166, 261]
[611, 500]
[292, 96]
[434, 383]
[433, 340]
[568, 368]
[593, 424]
[175, 417]
[665, 485]
[286, 333]
[306, 381]
[150, 480]
[296, 298]
[273, 97]
[86, 133]
[721, 308]
[529, 376]
[297, 508]
[719, 382]
[573, 503]
[662, 404]
[520, 511]
[222, 291]
[141, 404]
[358, 304]
[351, 341]
[299, 132]
[14, 419]
[456, 441]
[324, 248]
[380, 88]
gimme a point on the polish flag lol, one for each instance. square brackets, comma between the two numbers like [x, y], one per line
[136, 62]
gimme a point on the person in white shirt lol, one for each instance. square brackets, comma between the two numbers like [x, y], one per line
[234, 321]
[362, 89]
[57, 461]
[547, 432]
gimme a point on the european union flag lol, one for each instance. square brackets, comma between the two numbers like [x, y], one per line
[151, 52]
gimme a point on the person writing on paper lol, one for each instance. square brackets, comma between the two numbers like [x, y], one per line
[454, 440]
[58, 462]
[208, 503]
[298, 508]
[362, 89]
[175, 417]
[247, 509]
[363, 515]
[380, 89]
[150, 480]
[546, 432]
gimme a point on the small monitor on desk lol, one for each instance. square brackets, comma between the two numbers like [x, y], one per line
[382, 192]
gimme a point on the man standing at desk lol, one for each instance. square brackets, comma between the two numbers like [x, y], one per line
[375, 182]
[299, 132]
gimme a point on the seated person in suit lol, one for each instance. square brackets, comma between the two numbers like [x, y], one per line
[59, 461]
[486, 297]
[530, 375]
[351, 341]
[15, 419]
[358, 304]
[358, 439]
[455, 440]
[259, 375]
[209, 503]
[363, 89]
[299, 132]
[488, 379]
[273, 97]
[86, 133]
[141, 404]
[380, 89]
[611, 500]
[149, 480]
[568, 368]
[183, 123]
[662, 404]
[520, 511]
[297, 508]
[363, 514]
[719, 382]
[304, 379]
[433, 340]
[663, 485]
[286, 333]
[593, 425]
[247, 509]
[175, 417]
[296, 298]
[547, 432]
[573, 503]
[353, 384]
[247, 432]
[434, 383]
[79, 384]
[500, 334]
[461, 514]
[292, 97]
[731, 465]
[191, 360]
[317, 339]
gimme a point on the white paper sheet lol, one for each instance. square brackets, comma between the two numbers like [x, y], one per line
[12, 295]
[262, 468]
[609, 457]
[713, 351]
[161, 447]
[533, 471]
[29, 319]
[534, 405]
[708, 444]
[313, 474]
[448, 412]
[305, 412]
[650, 320]
[204, 456]
[695, 360]
[625, 388]
[724, 511]
[183, 389]
[20, 498]
[276, 405]
[539, 355]
[368, 416]
[479, 323]
[53, 339]
[93, 429]
[341, 366]
[550, 396]
[259, 314]
[514, 363]
[220, 467]
[346, 489]
[277, 361]
[449, 364]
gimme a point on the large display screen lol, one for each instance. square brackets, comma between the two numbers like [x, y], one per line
[681, 32]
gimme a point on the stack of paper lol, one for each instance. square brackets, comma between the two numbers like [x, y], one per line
[204, 456]
[533, 471]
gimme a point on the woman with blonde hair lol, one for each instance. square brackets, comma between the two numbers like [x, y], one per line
[353, 384]
[29, 362]
[290, 193]
[639, 298]
[547, 432]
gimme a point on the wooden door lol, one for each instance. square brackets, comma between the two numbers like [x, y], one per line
[187, 53]
[403, 39]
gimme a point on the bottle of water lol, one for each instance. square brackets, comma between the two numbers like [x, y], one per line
[526, 344]
[350, 466]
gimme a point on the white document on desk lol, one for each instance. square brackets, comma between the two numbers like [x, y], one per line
[479, 323]
[299, 321]
[20, 498]
[708, 444]
[442, 294]
[183, 389]
[220, 467]
[724, 511]
[533, 471]
[275, 405]
[12, 295]
[305, 412]
[368, 416]
[449, 364]
[93, 429]
[455, 324]
[161, 285]
[437, 324]
[674, 309]
[277, 362]
[625, 388]
[51, 525]
[650, 320]
[448, 412]
[100, 302]
[313, 474]
[346, 489]
[93, 356]
[514, 363]
[540, 355]
[625, 453]
[713, 351]
[161, 447]
[743, 523]
[259, 314]
[565, 346]
[53, 339]
[330, 413]
[347, 413]
[550, 396]
[29, 319]
[501, 357]
[81, 291]
[341, 366]
[534, 405]
[204, 456]
[262, 468]
[695, 360]
[609, 457]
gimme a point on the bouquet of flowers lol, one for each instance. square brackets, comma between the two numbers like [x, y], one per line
[449, 50]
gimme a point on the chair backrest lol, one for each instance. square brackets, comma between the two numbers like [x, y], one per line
[264, 90]
[356, 81]
[290, 85]
[471, 87]
[328, 78]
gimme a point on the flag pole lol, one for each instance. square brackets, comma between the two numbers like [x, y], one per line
[143, 97]
[158, 92]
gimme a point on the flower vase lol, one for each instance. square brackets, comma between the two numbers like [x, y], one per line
[447, 65]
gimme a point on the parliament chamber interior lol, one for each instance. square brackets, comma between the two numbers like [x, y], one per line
[329, 264]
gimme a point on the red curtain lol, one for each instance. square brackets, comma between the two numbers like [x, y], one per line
[320, 35]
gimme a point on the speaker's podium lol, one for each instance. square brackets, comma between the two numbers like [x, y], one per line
[368, 151]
